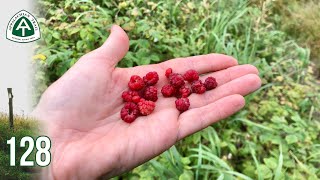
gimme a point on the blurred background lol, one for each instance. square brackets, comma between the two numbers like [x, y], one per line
[276, 136]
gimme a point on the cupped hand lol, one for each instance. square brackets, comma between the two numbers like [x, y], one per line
[81, 110]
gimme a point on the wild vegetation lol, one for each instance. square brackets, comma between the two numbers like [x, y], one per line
[22, 127]
[302, 17]
[276, 136]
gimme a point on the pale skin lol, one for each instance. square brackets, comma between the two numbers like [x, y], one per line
[81, 110]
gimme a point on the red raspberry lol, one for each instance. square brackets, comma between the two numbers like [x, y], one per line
[151, 78]
[182, 104]
[210, 83]
[176, 80]
[151, 93]
[136, 83]
[129, 112]
[168, 90]
[191, 75]
[168, 72]
[198, 87]
[184, 91]
[136, 99]
[146, 107]
[131, 96]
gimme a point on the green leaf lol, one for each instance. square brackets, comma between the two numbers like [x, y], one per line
[83, 33]
[154, 58]
[56, 35]
[279, 120]
[265, 172]
[186, 175]
[73, 31]
[79, 45]
[143, 61]
[270, 162]
[242, 176]
[278, 173]
[51, 59]
[48, 38]
[291, 139]
[232, 148]
[185, 160]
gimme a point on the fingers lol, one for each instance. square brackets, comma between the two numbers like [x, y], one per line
[231, 73]
[202, 64]
[197, 119]
[114, 49]
[242, 85]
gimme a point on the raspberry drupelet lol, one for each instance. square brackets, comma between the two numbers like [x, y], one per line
[131, 96]
[182, 104]
[151, 78]
[184, 91]
[129, 112]
[210, 83]
[168, 72]
[168, 90]
[176, 80]
[146, 107]
[136, 83]
[191, 75]
[198, 87]
[151, 93]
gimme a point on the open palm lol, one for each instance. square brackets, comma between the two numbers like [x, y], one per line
[81, 110]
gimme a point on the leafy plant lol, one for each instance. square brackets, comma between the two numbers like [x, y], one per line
[276, 136]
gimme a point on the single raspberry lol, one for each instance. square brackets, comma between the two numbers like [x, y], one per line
[191, 75]
[198, 87]
[151, 93]
[168, 90]
[176, 80]
[131, 96]
[129, 112]
[184, 91]
[182, 104]
[210, 83]
[136, 83]
[136, 99]
[168, 72]
[146, 107]
[151, 78]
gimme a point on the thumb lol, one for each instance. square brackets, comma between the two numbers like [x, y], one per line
[114, 48]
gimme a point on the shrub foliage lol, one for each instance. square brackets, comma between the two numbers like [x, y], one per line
[276, 136]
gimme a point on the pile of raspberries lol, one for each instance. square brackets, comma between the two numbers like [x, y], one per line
[142, 94]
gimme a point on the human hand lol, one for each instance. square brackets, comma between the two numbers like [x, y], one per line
[81, 110]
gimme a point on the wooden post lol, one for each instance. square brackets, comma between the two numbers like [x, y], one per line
[10, 96]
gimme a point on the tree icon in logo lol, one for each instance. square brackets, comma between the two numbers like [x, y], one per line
[23, 28]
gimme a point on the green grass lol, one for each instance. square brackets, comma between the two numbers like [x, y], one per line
[302, 23]
[22, 127]
[276, 136]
